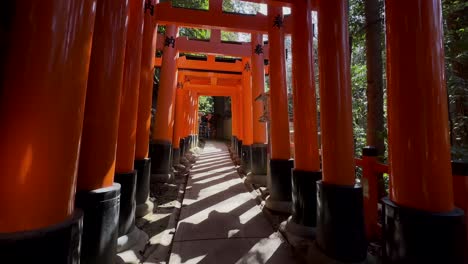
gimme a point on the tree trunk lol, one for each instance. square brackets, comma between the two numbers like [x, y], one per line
[375, 111]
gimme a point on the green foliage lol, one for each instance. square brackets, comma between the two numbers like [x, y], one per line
[456, 49]
[206, 104]
[358, 72]
[359, 86]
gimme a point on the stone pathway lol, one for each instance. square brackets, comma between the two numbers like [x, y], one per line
[220, 222]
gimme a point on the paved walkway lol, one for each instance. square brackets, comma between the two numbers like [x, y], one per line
[220, 222]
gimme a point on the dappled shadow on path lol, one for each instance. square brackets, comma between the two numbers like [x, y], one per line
[220, 221]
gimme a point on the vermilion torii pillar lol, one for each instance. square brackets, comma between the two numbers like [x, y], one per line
[191, 114]
[421, 194]
[161, 156]
[246, 156]
[340, 220]
[189, 118]
[124, 168]
[259, 146]
[178, 123]
[307, 169]
[145, 98]
[235, 125]
[185, 123]
[98, 195]
[196, 125]
[44, 72]
[240, 125]
[279, 180]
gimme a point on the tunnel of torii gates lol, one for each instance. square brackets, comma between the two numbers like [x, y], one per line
[76, 109]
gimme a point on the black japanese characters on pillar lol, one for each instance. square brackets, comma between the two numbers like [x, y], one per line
[278, 22]
[258, 49]
[170, 42]
[149, 6]
[247, 67]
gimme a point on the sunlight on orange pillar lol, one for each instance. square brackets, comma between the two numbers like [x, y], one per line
[306, 155]
[145, 97]
[247, 98]
[258, 88]
[419, 146]
[240, 112]
[99, 139]
[279, 118]
[185, 113]
[190, 113]
[43, 90]
[335, 93]
[163, 127]
[196, 126]
[234, 115]
[179, 118]
[130, 87]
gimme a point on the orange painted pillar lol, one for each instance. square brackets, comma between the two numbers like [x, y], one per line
[235, 129]
[195, 124]
[97, 159]
[178, 123]
[280, 162]
[188, 117]
[126, 141]
[421, 191]
[191, 114]
[142, 161]
[340, 223]
[99, 137]
[369, 182]
[259, 147]
[307, 169]
[146, 82]
[197, 118]
[246, 151]
[188, 128]
[240, 124]
[161, 156]
[43, 88]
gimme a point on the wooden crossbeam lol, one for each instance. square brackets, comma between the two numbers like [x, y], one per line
[213, 18]
[287, 3]
[209, 65]
[189, 73]
[213, 46]
[212, 90]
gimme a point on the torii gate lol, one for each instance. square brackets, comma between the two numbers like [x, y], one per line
[75, 103]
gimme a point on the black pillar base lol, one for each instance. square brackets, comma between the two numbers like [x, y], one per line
[128, 182]
[340, 222]
[415, 236]
[100, 224]
[234, 146]
[59, 243]
[304, 197]
[188, 142]
[246, 160]
[182, 147]
[259, 159]
[279, 184]
[161, 162]
[192, 141]
[239, 149]
[143, 206]
[175, 156]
